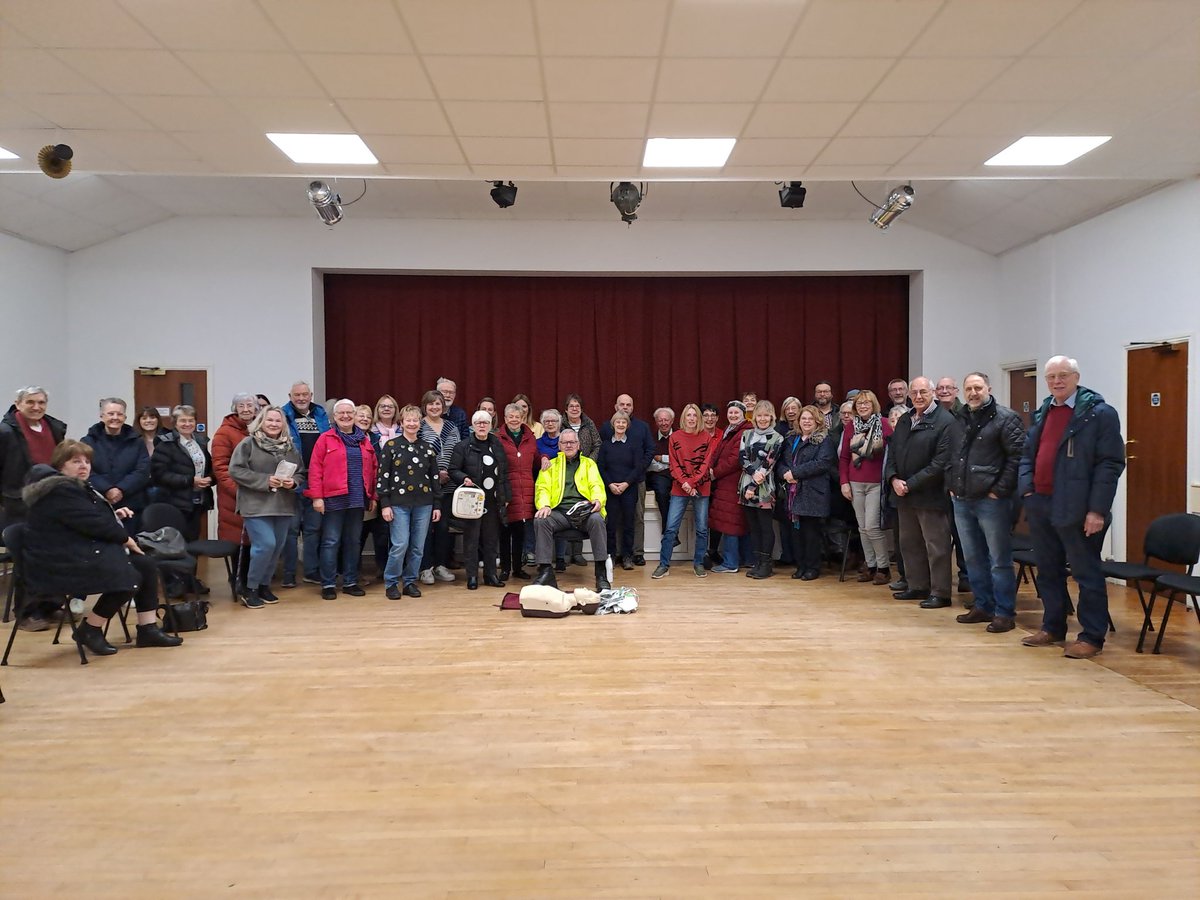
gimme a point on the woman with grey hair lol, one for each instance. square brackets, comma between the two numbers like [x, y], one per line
[480, 462]
[233, 430]
[182, 470]
[120, 463]
[342, 487]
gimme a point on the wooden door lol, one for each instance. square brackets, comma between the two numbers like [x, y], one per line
[168, 388]
[1023, 385]
[1156, 422]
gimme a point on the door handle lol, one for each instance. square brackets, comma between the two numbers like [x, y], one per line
[1131, 441]
[1127, 458]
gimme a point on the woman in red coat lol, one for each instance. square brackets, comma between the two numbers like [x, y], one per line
[524, 463]
[726, 516]
[233, 430]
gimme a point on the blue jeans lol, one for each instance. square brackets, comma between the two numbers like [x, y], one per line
[1054, 546]
[341, 530]
[729, 551]
[268, 536]
[409, 526]
[675, 519]
[307, 521]
[985, 530]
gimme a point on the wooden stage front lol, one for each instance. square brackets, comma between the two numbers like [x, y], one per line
[731, 739]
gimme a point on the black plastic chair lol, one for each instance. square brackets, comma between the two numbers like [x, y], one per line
[163, 515]
[14, 540]
[1172, 539]
[1176, 584]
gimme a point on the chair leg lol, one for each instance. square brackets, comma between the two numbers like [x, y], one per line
[1147, 612]
[12, 636]
[1162, 628]
[232, 577]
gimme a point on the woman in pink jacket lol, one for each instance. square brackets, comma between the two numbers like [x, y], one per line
[341, 485]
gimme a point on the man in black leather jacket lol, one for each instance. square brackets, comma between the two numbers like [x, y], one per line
[985, 455]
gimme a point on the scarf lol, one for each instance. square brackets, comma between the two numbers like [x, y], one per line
[867, 442]
[275, 446]
[357, 436]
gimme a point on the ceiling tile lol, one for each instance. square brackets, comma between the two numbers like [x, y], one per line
[16, 115]
[303, 115]
[784, 153]
[470, 27]
[844, 172]
[512, 171]
[698, 119]
[396, 116]
[417, 170]
[135, 71]
[485, 77]
[626, 154]
[489, 151]
[612, 120]
[1114, 29]
[187, 113]
[620, 80]
[395, 150]
[236, 153]
[774, 120]
[1040, 81]
[627, 27]
[712, 80]
[825, 80]
[970, 28]
[954, 153]
[870, 151]
[362, 26]
[747, 28]
[86, 111]
[371, 76]
[253, 74]
[938, 79]
[40, 72]
[77, 23]
[896, 119]
[211, 25]
[142, 150]
[860, 28]
[979, 118]
[497, 119]
[594, 173]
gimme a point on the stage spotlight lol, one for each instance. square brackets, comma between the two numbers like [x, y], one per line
[791, 195]
[627, 197]
[55, 160]
[897, 202]
[327, 203]
[504, 195]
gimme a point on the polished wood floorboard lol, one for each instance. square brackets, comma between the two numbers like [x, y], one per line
[731, 739]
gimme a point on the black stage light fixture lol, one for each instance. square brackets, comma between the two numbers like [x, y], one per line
[627, 197]
[504, 195]
[791, 195]
[55, 160]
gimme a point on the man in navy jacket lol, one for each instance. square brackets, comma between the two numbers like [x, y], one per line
[1073, 458]
[639, 434]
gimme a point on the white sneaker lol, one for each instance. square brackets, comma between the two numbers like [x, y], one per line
[426, 576]
[441, 573]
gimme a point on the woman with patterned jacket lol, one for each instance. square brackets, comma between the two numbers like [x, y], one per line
[760, 449]
[410, 497]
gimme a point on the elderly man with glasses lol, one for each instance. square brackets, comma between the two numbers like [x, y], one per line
[1074, 455]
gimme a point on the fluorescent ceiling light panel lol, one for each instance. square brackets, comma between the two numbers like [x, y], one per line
[1046, 150]
[7, 154]
[329, 149]
[687, 153]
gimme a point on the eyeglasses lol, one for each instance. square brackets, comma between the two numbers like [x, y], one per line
[1061, 376]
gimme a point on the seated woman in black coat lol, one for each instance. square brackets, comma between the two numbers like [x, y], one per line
[75, 545]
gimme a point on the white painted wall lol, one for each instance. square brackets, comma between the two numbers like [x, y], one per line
[238, 296]
[33, 300]
[1127, 276]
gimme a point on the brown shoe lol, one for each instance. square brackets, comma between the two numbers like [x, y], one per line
[1001, 624]
[975, 616]
[1081, 650]
[881, 577]
[865, 577]
[1041, 639]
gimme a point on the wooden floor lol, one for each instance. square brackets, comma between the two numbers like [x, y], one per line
[731, 739]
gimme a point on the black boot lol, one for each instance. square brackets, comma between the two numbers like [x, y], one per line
[762, 566]
[545, 576]
[92, 639]
[153, 636]
[602, 577]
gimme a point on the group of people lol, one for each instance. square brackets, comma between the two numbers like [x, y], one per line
[929, 477]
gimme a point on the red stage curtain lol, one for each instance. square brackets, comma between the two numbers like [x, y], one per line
[664, 340]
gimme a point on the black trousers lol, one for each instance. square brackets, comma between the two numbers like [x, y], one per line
[512, 545]
[145, 598]
[762, 529]
[481, 536]
[806, 543]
